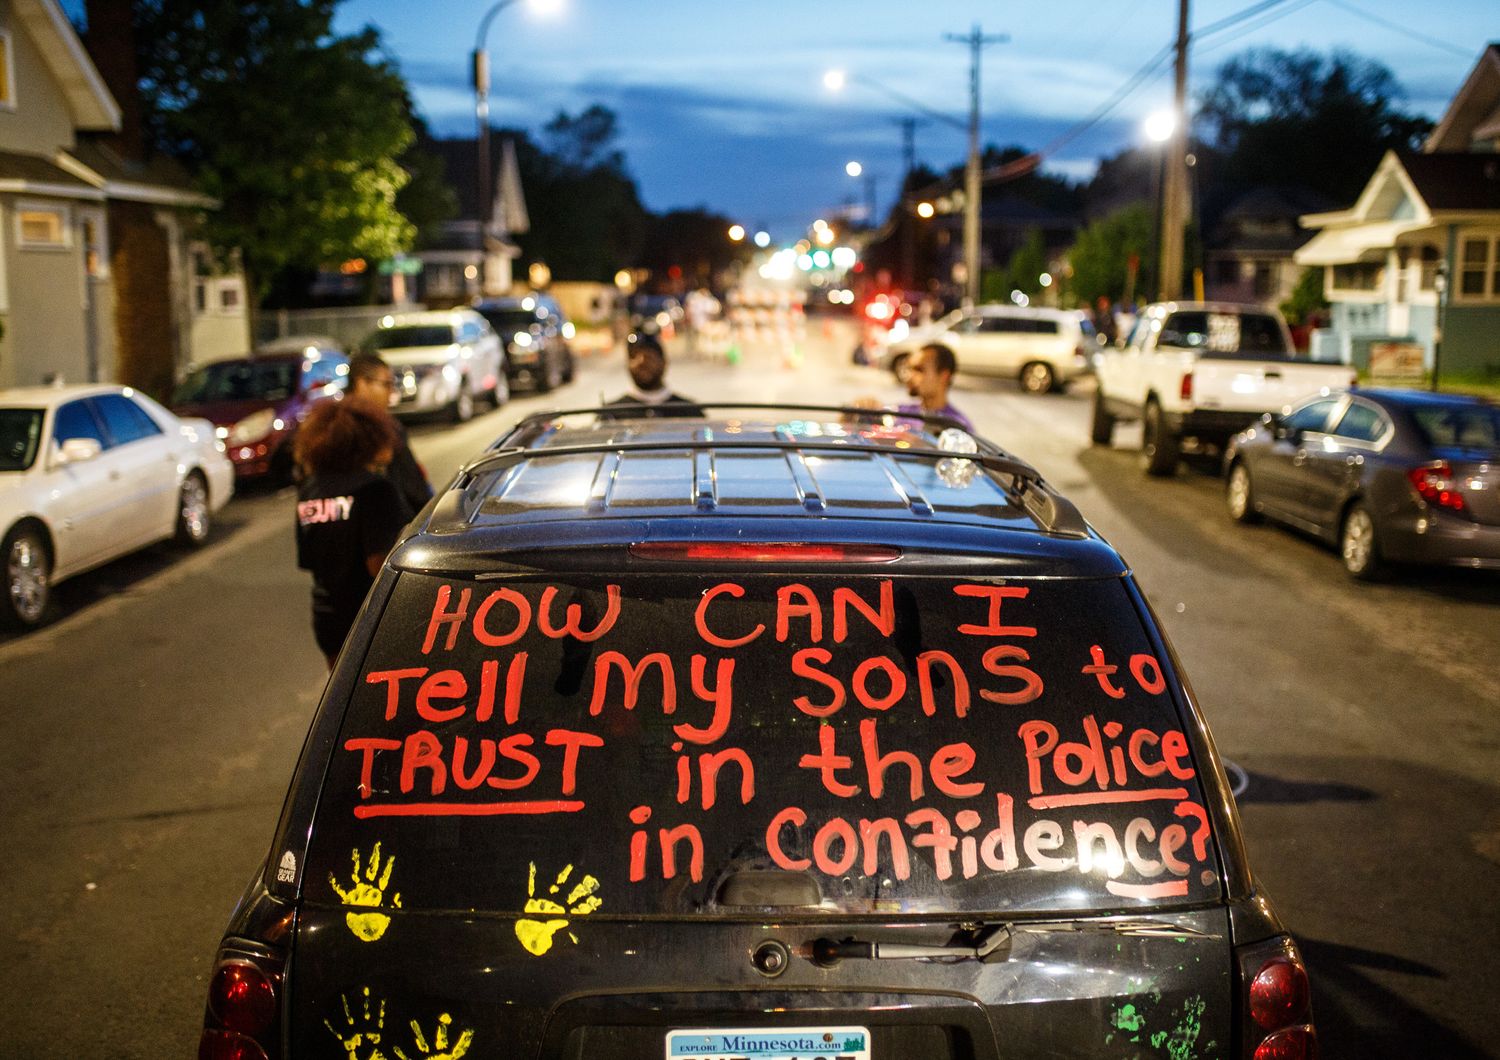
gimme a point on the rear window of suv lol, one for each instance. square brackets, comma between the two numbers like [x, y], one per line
[911, 744]
[1217, 334]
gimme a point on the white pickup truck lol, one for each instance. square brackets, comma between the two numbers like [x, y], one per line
[1198, 373]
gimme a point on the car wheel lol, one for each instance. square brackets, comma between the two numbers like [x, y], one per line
[1102, 429]
[1037, 378]
[463, 405]
[193, 515]
[549, 378]
[1240, 495]
[28, 572]
[1358, 545]
[901, 367]
[1160, 448]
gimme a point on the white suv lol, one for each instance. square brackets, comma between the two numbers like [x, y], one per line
[443, 359]
[1042, 349]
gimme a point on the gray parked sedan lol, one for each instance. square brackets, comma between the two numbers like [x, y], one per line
[1389, 476]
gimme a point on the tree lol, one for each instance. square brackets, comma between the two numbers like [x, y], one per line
[295, 130]
[1101, 256]
[1024, 271]
[1319, 121]
[587, 220]
[695, 241]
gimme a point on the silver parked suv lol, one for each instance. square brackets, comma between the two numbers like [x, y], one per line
[1042, 349]
[443, 360]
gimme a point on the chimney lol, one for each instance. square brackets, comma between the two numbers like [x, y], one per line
[110, 42]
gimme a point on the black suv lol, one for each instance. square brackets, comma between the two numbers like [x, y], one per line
[780, 732]
[535, 336]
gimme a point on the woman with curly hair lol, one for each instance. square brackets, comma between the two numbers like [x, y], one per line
[348, 513]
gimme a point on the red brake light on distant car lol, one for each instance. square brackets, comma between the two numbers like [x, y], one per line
[1185, 391]
[763, 551]
[1435, 484]
[242, 997]
[1279, 993]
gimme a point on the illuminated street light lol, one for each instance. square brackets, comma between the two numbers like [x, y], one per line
[480, 69]
[925, 210]
[835, 80]
[854, 169]
[1160, 125]
[762, 239]
[736, 233]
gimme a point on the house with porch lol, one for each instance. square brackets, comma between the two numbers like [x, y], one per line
[1415, 261]
[101, 278]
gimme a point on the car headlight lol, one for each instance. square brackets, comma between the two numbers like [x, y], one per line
[522, 339]
[252, 428]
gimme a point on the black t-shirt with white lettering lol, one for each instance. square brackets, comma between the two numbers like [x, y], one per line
[341, 519]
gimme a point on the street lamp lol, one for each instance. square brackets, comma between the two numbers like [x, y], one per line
[854, 169]
[481, 74]
[1159, 127]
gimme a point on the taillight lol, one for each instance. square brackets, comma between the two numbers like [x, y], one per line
[1185, 391]
[1278, 993]
[765, 551]
[242, 997]
[1436, 484]
[1275, 1003]
[240, 1023]
[226, 1045]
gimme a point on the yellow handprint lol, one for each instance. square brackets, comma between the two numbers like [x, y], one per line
[439, 1042]
[361, 1032]
[537, 935]
[367, 892]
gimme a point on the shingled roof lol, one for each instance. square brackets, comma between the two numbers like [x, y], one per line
[1455, 180]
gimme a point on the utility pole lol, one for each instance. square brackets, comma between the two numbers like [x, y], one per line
[1174, 192]
[976, 40]
[908, 225]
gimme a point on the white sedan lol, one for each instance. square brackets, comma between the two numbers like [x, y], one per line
[90, 473]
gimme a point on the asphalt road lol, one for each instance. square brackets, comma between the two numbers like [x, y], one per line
[151, 731]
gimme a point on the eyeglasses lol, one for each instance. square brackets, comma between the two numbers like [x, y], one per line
[384, 382]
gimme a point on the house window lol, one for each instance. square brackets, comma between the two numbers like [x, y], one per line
[7, 78]
[95, 248]
[1430, 261]
[1364, 276]
[229, 296]
[1475, 260]
[42, 226]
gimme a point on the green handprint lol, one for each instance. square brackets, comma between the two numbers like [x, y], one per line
[367, 892]
[439, 1042]
[361, 1032]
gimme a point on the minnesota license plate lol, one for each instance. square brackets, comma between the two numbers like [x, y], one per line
[770, 1043]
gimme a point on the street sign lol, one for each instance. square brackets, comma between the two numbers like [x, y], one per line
[405, 266]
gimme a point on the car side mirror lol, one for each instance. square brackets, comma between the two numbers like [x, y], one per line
[78, 450]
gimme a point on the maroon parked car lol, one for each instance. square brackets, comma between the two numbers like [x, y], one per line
[256, 401]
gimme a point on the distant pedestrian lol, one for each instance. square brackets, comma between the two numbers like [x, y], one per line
[646, 362]
[929, 375]
[348, 513]
[371, 380]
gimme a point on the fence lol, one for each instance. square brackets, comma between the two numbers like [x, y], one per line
[347, 325]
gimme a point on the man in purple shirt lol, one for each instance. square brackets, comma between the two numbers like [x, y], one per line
[930, 373]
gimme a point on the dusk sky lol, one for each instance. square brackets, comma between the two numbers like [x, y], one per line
[723, 105]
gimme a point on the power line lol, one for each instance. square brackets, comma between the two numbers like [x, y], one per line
[1405, 31]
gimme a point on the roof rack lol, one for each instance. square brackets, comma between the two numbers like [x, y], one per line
[622, 411]
[1055, 513]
